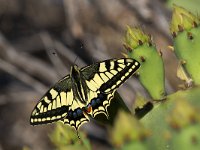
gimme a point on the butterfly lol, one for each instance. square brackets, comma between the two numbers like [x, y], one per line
[84, 93]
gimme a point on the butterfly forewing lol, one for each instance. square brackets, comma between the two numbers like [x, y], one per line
[109, 74]
[54, 105]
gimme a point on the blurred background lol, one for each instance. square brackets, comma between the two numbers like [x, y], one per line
[40, 40]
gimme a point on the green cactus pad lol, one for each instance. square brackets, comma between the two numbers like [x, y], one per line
[188, 138]
[126, 129]
[175, 122]
[64, 137]
[151, 73]
[182, 20]
[172, 124]
[186, 32]
[188, 51]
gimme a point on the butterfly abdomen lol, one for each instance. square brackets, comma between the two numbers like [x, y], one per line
[78, 84]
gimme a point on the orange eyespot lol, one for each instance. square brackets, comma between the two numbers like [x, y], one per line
[89, 109]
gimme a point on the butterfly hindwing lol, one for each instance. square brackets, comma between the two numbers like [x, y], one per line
[100, 103]
[76, 116]
[105, 77]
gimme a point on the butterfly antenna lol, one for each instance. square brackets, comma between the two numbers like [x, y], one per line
[75, 60]
[93, 60]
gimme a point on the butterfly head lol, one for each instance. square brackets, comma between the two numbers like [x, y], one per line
[74, 68]
[75, 71]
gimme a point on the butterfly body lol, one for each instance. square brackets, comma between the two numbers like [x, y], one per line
[84, 92]
[79, 86]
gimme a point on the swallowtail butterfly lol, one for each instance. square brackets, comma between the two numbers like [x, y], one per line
[84, 93]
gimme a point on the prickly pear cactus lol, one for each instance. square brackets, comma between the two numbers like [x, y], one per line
[172, 124]
[151, 73]
[132, 130]
[185, 28]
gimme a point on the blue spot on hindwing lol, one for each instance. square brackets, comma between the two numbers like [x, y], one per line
[101, 96]
[74, 114]
[93, 102]
[98, 101]
[70, 113]
[79, 112]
